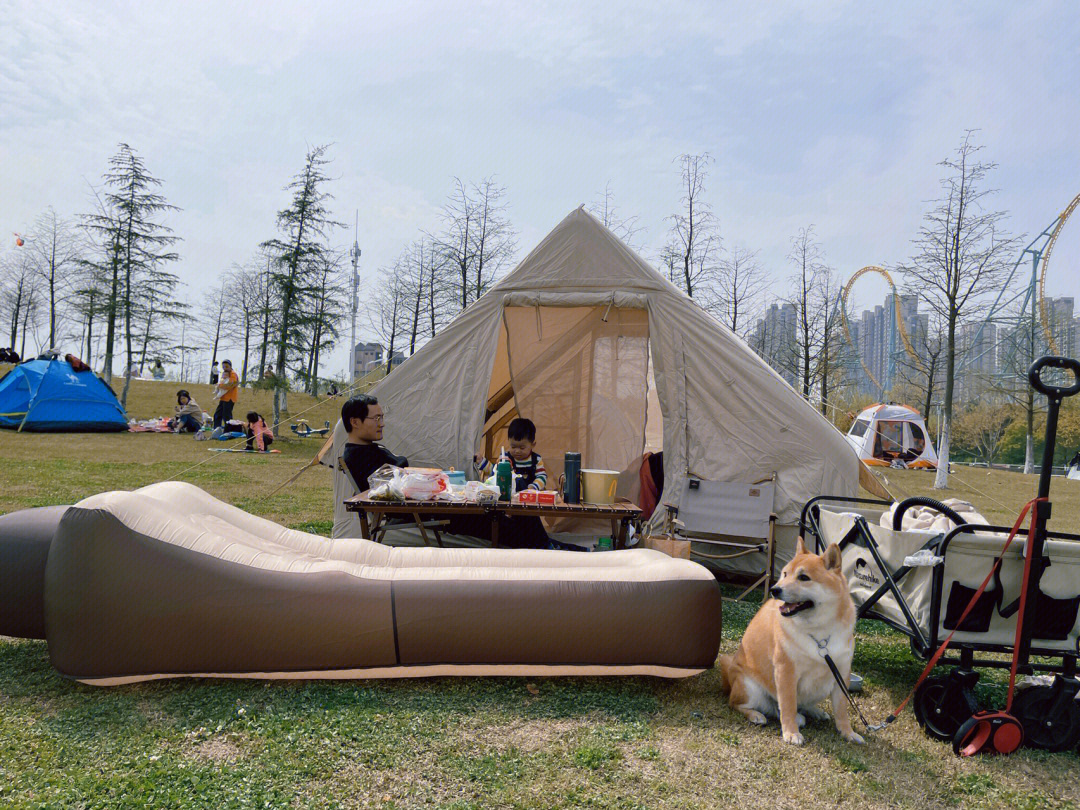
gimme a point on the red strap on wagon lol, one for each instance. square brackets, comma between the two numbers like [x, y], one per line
[1030, 505]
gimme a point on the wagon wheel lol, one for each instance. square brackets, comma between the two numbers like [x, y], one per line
[943, 704]
[1050, 716]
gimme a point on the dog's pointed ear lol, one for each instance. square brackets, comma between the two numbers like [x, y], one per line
[800, 547]
[832, 557]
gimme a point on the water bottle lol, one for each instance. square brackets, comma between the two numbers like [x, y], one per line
[504, 478]
[572, 471]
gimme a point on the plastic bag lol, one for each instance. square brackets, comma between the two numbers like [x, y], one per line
[384, 492]
[384, 475]
[416, 485]
[924, 557]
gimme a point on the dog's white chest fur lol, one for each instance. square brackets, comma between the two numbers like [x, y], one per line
[807, 653]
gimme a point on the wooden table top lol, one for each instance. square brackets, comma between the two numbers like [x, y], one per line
[615, 511]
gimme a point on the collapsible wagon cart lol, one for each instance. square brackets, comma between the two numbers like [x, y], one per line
[922, 583]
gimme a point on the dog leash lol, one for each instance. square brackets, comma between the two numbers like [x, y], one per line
[1031, 505]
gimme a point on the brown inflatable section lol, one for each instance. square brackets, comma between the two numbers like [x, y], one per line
[168, 581]
[24, 548]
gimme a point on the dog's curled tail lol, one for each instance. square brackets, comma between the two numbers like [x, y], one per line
[725, 672]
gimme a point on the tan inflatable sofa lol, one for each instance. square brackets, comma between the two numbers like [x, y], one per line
[168, 582]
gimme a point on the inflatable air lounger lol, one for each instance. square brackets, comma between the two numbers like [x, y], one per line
[168, 582]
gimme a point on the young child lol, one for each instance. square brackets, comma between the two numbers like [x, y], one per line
[527, 464]
[258, 433]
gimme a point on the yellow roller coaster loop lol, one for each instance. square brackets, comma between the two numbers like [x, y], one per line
[900, 328]
[1044, 314]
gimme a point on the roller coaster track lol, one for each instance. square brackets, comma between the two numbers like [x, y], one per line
[900, 328]
[1033, 293]
[1044, 314]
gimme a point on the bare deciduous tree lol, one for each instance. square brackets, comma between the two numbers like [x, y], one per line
[626, 228]
[19, 297]
[810, 308]
[741, 285]
[478, 242]
[694, 245]
[55, 250]
[388, 311]
[962, 254]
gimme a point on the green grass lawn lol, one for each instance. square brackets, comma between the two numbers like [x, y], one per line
[452, 743]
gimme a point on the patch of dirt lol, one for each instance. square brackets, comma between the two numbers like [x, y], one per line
[217, 749]
[528, 736]
[419, 783]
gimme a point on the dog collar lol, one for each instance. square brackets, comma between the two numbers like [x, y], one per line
[822, 644]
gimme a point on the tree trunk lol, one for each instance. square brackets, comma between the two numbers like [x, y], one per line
[825, 376]
[941, 480]
[127, 302]
[929, 389]
[52, 290]
[1029, 444]
[146, 339]
[247, 348]
[25, 328]
[266, 323]
[110, 313]
[89, 332]
[16, 311]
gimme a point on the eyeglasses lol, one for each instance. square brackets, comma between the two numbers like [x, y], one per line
[379, 420]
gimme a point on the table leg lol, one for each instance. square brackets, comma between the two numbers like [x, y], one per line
[494, 529]
[377, 529]
[420, 525]
[620, 540]
[365, 529]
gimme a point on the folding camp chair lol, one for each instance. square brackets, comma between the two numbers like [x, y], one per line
[713, 512]
[379, 527]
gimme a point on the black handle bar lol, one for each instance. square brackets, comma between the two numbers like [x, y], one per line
[1054, 391]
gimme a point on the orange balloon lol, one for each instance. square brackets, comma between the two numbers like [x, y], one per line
[18, 241]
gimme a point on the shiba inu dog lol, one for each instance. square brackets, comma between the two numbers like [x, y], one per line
[780, 662]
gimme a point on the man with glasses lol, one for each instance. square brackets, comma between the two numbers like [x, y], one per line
[362, 417]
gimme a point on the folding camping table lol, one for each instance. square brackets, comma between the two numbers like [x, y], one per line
[621, 514]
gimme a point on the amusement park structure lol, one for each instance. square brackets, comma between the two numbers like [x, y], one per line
[1032, 307]
[1025, 327]
[897, 332]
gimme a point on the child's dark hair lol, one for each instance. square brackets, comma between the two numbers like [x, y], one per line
[253, 417]
[182, 393]
[522, 428]
[356, 408]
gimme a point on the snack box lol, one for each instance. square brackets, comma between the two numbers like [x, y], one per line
[537, 497]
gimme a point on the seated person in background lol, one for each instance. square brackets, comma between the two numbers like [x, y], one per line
[362, 417]
[528, 466]
[260, 437]
[189, 415]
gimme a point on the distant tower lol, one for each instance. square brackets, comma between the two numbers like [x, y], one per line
[354, 254]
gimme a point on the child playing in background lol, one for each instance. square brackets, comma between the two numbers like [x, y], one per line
[527, 464]
[258, 433]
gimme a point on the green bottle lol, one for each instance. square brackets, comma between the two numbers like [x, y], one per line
[503, 477]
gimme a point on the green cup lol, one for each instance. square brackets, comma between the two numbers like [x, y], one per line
[604, 544]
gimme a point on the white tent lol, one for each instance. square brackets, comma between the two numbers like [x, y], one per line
[884, 435]
[586, 339]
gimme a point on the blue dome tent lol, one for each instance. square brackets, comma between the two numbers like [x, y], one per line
[49, 395]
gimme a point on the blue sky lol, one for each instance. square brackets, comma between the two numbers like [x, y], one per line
[831, 114]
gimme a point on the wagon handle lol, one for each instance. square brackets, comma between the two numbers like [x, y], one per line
[1054, 391]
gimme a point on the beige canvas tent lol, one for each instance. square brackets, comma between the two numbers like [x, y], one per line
[598, 349]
